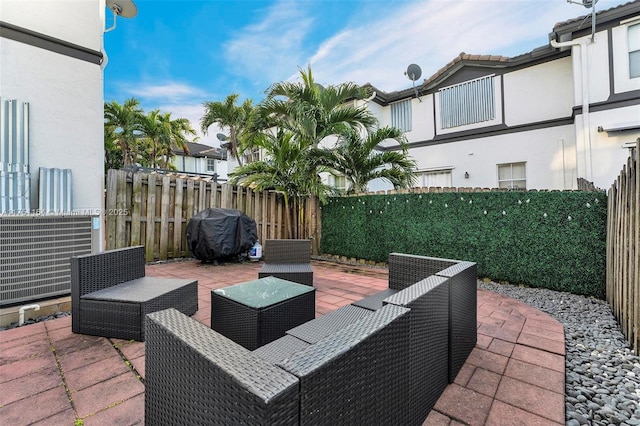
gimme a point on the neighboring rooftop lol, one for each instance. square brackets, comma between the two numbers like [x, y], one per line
[203, 151]
[602, 17]
[566, 30]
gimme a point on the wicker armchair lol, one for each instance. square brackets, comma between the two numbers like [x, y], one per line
[289, 260]
[110, 294]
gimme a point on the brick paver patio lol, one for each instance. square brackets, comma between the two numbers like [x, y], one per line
[50, 376]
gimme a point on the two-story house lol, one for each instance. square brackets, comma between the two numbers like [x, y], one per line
[202, 159]
[540, 120]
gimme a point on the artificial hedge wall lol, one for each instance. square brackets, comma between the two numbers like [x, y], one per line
[554, 239]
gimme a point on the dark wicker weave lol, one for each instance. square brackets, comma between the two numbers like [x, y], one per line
[375, 301]
[428, 354]
[253, 327]
[463, 311]
[195, 376]
[319, 328]
[289, 260]
[462, 298]
[358, 375]
[287, 251]
[408, 269]
[110, 294]
[385, 363]
[297, 272]
[281, 349]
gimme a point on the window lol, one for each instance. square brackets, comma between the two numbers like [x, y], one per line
[339, 182]
[512, 176]
[633, 36]
[401, 115]
[434, 178]
[467, 103]
[211, 165]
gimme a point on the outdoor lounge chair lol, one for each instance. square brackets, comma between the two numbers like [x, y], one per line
[289, 260]
[111, 296]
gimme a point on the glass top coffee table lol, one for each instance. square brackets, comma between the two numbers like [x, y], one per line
[258, 312]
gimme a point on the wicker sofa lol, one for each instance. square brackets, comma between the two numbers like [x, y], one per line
[111, 296]
[288, 259]
[404, 270]
[384, 362]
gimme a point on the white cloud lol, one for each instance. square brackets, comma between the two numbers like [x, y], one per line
[193, 112]
[181, 100]
[376, 47]
[170, 90]
[272, 47]
[432, 33]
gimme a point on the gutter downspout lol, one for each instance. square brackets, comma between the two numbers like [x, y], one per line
[582, 45]
[103, 17]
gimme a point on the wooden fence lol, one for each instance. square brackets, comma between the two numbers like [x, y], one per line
[623, 248]
[154, 209]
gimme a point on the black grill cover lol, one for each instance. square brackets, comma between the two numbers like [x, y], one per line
[220, 233]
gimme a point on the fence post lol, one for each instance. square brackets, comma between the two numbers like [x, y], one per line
[623, 248]
[159, 207]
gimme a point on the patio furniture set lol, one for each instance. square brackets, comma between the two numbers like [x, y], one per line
[111, 296]
[267, 361]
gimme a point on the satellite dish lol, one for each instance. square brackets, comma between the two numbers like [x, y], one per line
[124, 8]
[221, 137]
[414, 72]
[587, 3]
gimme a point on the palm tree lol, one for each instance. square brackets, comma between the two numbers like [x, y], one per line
[313, 112]
[309, 113]
[175, 136]
[229, 116]
[125, 121]
[112, 152]
[357, 158]
[162, 134]
[286, 170]
[151, 132]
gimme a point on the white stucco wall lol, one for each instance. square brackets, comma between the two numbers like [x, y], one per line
[598, 60]
[607, 151]
[622, 82]
[75, 21]
[538, 93]
[549, 155]
[199, 165]
[65, 94]
[422, 126]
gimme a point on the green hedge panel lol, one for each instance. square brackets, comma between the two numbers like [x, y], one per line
[554, 239]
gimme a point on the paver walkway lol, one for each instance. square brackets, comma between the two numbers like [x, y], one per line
[50, 376]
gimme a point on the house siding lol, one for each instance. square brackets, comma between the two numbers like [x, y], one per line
[540, 117]
[529, 98]
[55, 68]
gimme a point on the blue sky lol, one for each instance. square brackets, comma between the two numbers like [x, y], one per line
[176, 54]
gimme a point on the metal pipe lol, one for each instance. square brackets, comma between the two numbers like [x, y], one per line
[582, 45]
